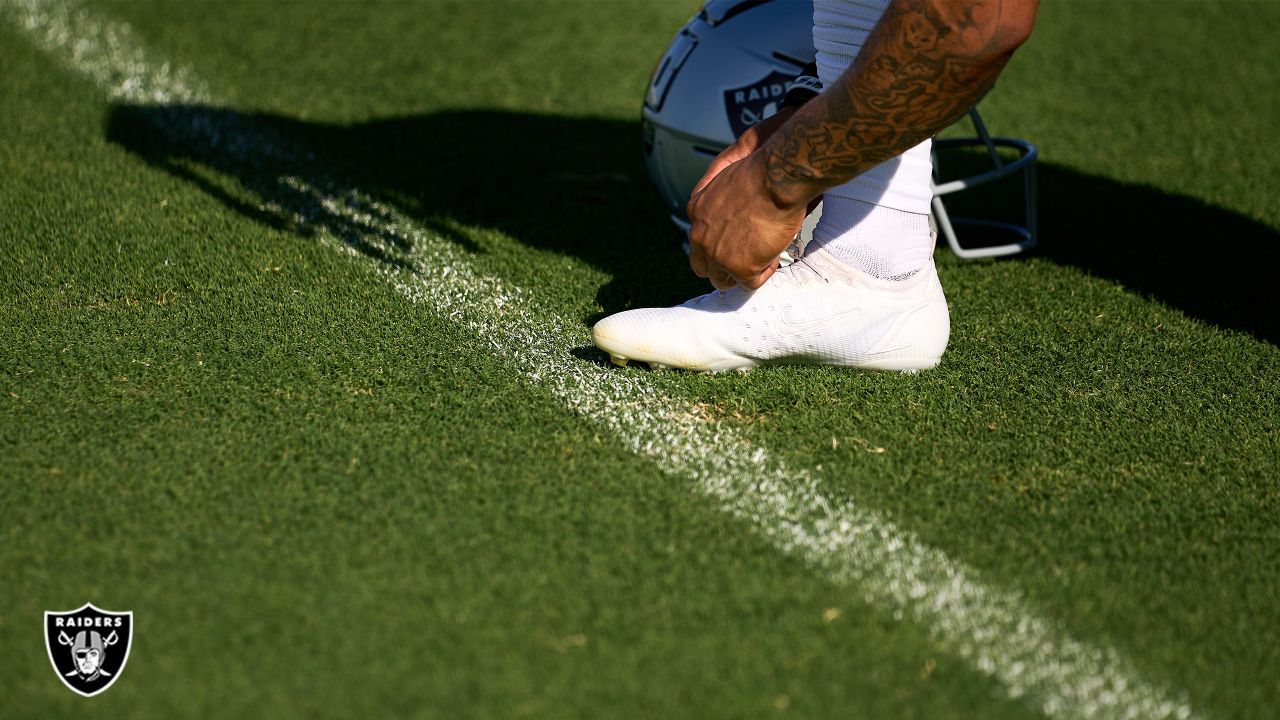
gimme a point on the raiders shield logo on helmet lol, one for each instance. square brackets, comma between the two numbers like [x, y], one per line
[752, 103]
[88, 646]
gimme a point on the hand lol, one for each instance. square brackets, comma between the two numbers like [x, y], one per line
[748, 142]
[737, 228]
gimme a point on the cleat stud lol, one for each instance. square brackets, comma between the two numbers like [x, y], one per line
[618, 360]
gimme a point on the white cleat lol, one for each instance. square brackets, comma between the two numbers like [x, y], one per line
[816, 311]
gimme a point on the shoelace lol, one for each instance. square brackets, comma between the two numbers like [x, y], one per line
[793, 253]
[794, 272]
[799, 271]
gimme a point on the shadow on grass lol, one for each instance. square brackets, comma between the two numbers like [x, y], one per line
[577, 186]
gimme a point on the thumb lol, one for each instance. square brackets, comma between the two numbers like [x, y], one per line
[742, 147]
[717, 166]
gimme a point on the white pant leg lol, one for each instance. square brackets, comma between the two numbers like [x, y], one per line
[877, 222]
[840, 27]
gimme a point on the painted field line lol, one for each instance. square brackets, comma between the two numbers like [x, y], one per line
[993, 629]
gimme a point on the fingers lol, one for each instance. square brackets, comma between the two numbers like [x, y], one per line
[704, 267]
[754, 283]
[720, 278]
[697, 261]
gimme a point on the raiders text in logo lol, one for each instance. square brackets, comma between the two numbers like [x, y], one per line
[752, 103]
[88, 647]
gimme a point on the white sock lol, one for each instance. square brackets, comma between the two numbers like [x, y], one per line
[883, 242]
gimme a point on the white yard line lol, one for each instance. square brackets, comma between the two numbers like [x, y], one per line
[993, 629]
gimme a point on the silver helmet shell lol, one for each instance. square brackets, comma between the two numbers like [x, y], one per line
[726, 70]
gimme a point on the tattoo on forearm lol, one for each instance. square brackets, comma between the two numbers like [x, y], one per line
[922, 67]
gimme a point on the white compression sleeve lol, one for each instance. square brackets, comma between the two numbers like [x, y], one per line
[877, 222]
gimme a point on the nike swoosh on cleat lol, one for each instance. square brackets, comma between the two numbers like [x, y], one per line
[803, 326]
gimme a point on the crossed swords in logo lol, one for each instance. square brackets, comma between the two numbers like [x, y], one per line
[108, 641]
[749, 117]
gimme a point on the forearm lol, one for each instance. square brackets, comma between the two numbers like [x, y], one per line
[922, 67]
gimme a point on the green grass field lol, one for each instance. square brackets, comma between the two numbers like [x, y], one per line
[324, 496]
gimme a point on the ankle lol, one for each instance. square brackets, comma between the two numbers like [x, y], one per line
[880, 241]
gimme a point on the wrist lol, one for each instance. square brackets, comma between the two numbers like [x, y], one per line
[765, 129]
[804, 88]
[779, 181]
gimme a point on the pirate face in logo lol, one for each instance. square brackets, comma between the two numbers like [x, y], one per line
[87, 651]
[88, 647]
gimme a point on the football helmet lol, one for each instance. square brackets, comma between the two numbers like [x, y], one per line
[729, 67]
